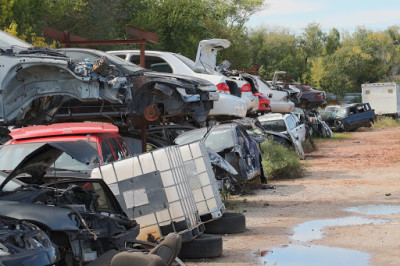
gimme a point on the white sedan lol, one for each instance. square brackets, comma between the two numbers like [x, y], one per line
[288, 124]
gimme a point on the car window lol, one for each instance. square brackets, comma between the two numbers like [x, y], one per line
[217, 139]
[106, 151]
[291, 123]
[124, 147]
[274, 125]
[80, 56]
[116, 148]
[154, 63]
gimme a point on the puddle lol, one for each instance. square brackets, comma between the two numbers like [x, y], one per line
[313, 229]
[294, 255]
[375, 209]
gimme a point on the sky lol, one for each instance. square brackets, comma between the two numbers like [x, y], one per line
[341, 14]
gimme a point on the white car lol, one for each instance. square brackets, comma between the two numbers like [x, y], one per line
[226, 106]
[288, 124]
[279, 100]
[206, 60]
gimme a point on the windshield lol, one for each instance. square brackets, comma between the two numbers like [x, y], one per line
[274, 125]
[9, 40]
[12, 155]
[254, 132]
[217, 139]
[340, 113]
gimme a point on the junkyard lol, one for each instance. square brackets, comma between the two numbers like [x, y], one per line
[344, 211]
[125, 145]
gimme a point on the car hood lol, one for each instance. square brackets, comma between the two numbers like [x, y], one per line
[54, 218]
[38, 162]
[206, 58]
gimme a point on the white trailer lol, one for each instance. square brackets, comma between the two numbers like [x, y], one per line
[384, 98]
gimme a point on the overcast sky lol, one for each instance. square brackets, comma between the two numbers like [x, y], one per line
[341, 14]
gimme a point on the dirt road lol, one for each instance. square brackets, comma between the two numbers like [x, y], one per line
[309, 215]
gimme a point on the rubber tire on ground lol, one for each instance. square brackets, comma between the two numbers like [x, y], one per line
[229, 223]
[203, 246]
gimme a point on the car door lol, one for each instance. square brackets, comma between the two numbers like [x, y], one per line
[295, 128]
[296, 133]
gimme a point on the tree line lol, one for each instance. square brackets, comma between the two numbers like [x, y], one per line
[334, 61]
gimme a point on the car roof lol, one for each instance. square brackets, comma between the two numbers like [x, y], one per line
[62, 129]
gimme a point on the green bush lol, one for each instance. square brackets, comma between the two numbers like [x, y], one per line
[280, 162]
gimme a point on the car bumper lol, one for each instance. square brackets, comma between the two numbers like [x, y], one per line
[229, 105]
[282, 107]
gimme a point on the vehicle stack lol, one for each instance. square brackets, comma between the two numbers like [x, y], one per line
[103, 162]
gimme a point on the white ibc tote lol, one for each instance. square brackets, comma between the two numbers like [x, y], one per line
[153, 189]
[202, 180]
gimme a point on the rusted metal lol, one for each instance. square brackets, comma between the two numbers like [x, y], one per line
[151, 113]
[142, 34]
[102, 42]
[142, 56]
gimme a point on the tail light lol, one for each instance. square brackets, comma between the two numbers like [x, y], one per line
[246, 87]
[319, 95]
[223, 87]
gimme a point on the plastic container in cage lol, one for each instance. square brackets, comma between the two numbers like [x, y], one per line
[202, 180]
[153, 189]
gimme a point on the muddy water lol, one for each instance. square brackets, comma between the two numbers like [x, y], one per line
[313, 229]
[299, 255]
[315, 255]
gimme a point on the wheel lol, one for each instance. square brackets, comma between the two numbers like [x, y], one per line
[229, 223]
[346, 127]
[204, 246]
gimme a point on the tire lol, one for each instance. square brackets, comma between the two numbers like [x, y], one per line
[204, 246]
[346, 127]
[229, 223]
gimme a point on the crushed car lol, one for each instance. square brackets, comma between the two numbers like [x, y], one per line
[23, 243]
[81, 216]
[228, 105]
[288, 124]
[232, 143]
[155, 96]
[349, 117]
[36, 82]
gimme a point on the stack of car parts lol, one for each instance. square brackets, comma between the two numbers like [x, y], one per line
[153, 188]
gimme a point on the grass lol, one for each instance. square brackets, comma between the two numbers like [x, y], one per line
[279, 162]
[336, 136]
[386, 122]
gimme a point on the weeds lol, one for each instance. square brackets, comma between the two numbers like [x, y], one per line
[386, 122]
[336, 136]
[280, 162]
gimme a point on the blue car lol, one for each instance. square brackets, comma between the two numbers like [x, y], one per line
[349, 117]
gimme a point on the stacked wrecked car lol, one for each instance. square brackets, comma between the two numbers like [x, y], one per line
[103, 159]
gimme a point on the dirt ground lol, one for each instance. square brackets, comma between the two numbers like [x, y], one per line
[361, 170]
